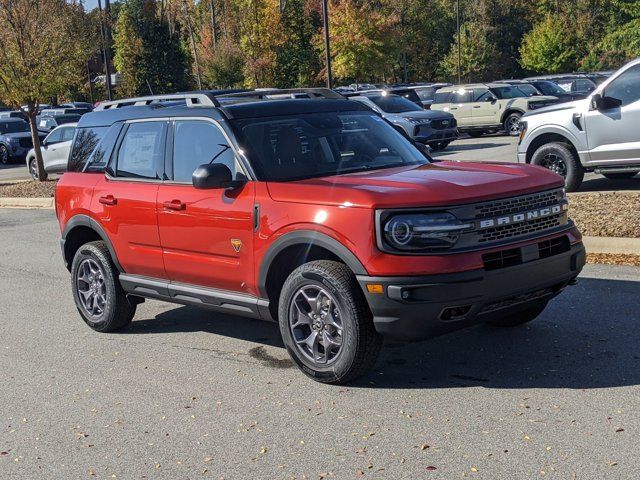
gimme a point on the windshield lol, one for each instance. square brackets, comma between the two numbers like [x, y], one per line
[529, 90]
[288, 148]
[14, 127]
[549, 88]
[394, 104]
[504, 93]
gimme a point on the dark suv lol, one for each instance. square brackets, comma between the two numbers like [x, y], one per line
[313, 212]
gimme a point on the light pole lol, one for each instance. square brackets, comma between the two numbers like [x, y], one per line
[325, 14]
[459, 47]
[107, 54]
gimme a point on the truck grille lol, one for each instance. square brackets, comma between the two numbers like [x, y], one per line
[519, 229]
[26, 143]
[518, 204]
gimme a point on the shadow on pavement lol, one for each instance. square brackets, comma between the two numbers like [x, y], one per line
[601, 184]
[587, 338]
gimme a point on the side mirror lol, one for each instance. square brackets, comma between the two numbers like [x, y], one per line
[212, 176]
[602, 102]
[490, 99]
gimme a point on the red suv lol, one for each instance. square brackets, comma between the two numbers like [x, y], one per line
[308, 209]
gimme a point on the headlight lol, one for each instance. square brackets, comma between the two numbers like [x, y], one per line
[412, 232]
[523, 131]
[420, 121]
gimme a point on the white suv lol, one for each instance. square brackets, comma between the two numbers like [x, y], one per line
[55, 151]
[600, 133]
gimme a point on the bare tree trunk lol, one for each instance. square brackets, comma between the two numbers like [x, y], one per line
[187, 14]
[32, 112]
[212, 12]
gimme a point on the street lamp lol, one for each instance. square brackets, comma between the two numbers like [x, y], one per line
[327, 50]
[106, 50]
[459, 47]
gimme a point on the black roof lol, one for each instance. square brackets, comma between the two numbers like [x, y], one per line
[244, 109]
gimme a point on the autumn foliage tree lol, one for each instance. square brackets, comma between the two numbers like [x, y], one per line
[43, 50]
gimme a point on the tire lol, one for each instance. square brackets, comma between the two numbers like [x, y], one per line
[476, 133]
[5, 158]
[344, 323]
[115, 311]
[620, 176]
[438, 146]
[519, 318]
[512, 124]
[33, 168]
[559, 158]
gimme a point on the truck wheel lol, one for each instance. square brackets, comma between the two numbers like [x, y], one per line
[620, 176]
[519, 318]
[326, 324]
[4, 155]
[512, 124]
[558, 158]
[96, 289]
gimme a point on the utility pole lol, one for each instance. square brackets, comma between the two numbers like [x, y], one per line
[106, 46]
[459, 46]
[325, 14]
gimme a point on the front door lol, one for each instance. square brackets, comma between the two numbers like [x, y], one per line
[485, 108]
[460, 107]
[613, 135]
[206, 235]
[124, 200]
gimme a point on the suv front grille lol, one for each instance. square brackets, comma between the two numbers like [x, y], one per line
[518, 204]
[442, 124]
[519, 229]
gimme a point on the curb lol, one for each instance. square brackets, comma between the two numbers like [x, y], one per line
[612, 245]
[30, 203]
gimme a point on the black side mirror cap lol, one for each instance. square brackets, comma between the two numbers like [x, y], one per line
[216, 175]
[602, 102]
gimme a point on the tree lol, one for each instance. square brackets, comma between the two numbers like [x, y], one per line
[548, 48]
[148, 55]
[222, 67]
[43, 50]
[477, 54]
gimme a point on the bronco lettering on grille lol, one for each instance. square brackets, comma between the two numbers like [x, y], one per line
[523, 217]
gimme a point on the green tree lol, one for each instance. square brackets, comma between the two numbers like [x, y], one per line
[548, 48]
[43, 51]
[148, 55]
[222, 67]
[477, 54]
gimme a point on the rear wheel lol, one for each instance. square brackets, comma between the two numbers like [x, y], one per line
[33, 168]
[559, 158]
[4, 155]
[519, 318]
[512, 124]
[620, 176]
[326, 324]
[102, 303]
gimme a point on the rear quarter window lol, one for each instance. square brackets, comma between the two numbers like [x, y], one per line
[85, 142]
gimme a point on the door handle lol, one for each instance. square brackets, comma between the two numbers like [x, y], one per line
[175, 205]
[108, 200]
[476, 106]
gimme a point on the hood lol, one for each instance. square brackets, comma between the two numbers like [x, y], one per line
[431, 185]
[542, 98]
[427, 114]
[556, 108]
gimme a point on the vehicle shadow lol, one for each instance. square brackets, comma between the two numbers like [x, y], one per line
[587, 338]
[601, 184]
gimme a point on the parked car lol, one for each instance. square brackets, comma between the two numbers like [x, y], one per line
[48, 123]
[313, 212]
[15, 140]
[12, 114]
[86, 107]
[529, 89]
[55, 151]
[427, 92]
[434, 128]
[598, 133]
[356, 87]
[550, 88]
[580, 83]
[487, 107]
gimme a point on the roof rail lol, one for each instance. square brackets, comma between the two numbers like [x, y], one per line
[272, 93]
[191, 99]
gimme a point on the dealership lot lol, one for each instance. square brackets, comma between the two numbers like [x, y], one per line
[185, 393]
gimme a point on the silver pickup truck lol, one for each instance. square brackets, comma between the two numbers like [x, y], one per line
[600, 133]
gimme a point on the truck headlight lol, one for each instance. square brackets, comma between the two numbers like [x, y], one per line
[523, 131]
[414, 232]
[420, 121]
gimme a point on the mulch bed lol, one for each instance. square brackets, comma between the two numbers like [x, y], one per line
[614, 259]
[28, 189]
[608, 214]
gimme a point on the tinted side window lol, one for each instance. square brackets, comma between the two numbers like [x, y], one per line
[196, 143]
[442, 97]
[584, 85]
[481, 94]
[626, 87]
[461, 96]
[84, 143]
[67, 133]
[100, 157]
[55, 137]
[141, 153]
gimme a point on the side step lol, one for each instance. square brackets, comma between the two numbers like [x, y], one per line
[620, 169]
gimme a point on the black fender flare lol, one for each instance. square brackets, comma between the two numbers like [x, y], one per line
[307, 238]
[508, 112]
[81, 220]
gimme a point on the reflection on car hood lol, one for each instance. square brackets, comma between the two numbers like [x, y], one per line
[555, 108]
[436, 184]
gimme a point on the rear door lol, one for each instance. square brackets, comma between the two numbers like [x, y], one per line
[613, 135]
[58, 153]
[124, 200]
[206, 235]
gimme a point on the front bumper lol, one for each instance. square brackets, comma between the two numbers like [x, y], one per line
[522, 157]
[416, 308]
[17, 152]
[433, 135]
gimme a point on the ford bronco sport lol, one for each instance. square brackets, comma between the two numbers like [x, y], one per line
[314, 212]
[597, 134]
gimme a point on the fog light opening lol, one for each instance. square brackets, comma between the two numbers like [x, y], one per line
[455, 313]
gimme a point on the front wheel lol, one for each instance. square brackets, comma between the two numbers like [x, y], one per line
[97, 292]
[620, 176]
[519, 318]
[512, 124]
[33, 168]
[558, 158]
[326, 324]
[4, 155]
[438, 146]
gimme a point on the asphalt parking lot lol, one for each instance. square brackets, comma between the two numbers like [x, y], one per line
[185, 393]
